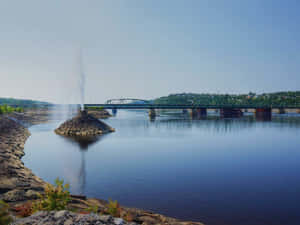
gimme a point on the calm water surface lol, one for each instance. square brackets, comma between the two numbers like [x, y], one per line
[216, 171]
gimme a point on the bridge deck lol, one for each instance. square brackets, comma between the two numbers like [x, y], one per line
[164, 106]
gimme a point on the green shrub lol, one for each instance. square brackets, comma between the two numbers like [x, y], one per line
[8, 109]
[113, 208]
[19, 109]
[55, 197]
[5, 218]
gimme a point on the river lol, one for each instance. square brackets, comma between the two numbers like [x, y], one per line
[216, 171]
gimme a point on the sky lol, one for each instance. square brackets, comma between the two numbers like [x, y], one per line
[147, 49]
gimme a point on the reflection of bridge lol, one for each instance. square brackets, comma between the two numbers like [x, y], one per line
[200, 110]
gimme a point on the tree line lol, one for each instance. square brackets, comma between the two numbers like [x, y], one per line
[20, 102]
[283, 99]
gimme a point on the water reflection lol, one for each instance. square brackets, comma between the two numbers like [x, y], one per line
[83, 143]
[220, 124]
[241, 167]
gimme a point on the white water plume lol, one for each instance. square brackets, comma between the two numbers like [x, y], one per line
[81, 80]
[71, 90]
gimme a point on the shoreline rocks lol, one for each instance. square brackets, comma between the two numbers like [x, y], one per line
[17, 183]
[69, 218]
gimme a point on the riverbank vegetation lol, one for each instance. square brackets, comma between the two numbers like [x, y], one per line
[8, 109]
[290, 98]
[21, 102]
[55, 198]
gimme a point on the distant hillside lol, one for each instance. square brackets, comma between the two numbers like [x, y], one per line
[290, 98]
[20, 102]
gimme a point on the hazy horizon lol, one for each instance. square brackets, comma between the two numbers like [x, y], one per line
[147, 49]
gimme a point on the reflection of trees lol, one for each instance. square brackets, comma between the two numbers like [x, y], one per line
[214, 123]
[217, 124]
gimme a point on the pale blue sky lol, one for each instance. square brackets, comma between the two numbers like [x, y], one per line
[146, 49]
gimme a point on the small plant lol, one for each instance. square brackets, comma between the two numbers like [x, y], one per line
[92, 209]
[128, 217]
[55, 197]
[5, 218]
[113, 208]
[24, 210]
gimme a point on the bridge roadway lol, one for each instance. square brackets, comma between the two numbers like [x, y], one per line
[190, 106]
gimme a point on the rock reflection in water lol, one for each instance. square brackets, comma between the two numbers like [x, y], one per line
[83, 143]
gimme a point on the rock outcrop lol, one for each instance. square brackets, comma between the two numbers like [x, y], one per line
[17, 183]
[139, 216]
[83, 125]
[69, 218]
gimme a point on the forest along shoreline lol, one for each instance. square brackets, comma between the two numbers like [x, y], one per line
[18, 184]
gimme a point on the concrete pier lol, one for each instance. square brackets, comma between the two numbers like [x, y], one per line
[281, 111]
[185, 111]
[199, 112]
[114, 111]
[263, 114]
[231, 112]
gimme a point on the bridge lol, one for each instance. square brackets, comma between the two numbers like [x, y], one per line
[196, 110]
[226, 111]
[184, 106]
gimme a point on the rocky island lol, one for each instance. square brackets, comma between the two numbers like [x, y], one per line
[83, 125]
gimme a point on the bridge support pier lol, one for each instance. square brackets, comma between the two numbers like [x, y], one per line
[114, 111]
[199, 112]
[230, 112]
[152, 113]
[263, 114]
[281, 111]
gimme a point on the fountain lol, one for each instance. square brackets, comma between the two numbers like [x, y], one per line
[83, 124]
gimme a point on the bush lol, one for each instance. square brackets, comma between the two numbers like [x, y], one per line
[24, 210]
[56, 197]
[113, 208]
[5, 218]
[8, 109]
[19, 110]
